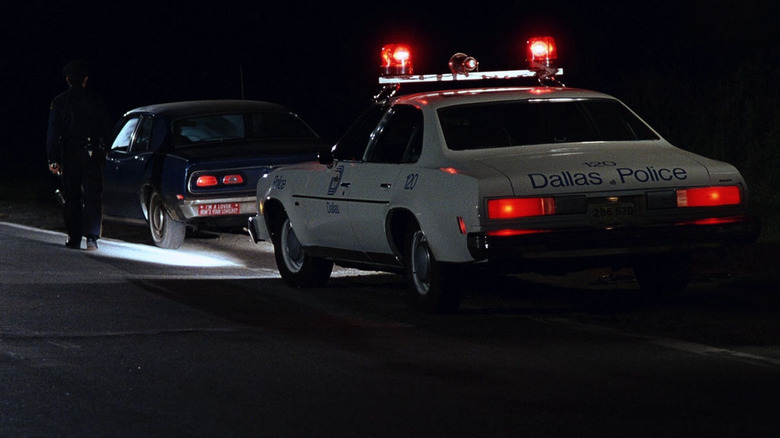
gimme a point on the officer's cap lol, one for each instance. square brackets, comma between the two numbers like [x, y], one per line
[76, 70]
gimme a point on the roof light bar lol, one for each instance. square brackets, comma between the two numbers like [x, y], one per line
[396, 66]
[505, 74]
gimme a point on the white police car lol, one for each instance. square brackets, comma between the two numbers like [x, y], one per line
[543, 178]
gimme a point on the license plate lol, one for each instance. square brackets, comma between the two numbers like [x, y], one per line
[611, 213]
[218, 209]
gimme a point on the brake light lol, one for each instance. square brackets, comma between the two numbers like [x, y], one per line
[396, 60]
[513, 208]
[232, 179]
[709, 196]
[206, 181]
[450, 170]
[510, 233]
[712, 221]
[462, 225]
[541, 51]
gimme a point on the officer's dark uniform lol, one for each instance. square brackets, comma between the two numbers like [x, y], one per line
[79, 125]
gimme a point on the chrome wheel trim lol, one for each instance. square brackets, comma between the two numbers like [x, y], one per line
[292, 252]
[157, 220]
[420, 263]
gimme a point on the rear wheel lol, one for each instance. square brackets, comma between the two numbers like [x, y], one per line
[663, 275]
[297, 268]
[436, 286]
[166, 231]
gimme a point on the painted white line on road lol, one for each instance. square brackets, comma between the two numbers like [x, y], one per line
[675, 344]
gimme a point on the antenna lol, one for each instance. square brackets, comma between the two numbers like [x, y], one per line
[241, 76]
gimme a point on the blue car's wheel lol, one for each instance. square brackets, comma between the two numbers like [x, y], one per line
[166, 232]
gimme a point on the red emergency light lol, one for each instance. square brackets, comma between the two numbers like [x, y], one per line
[396, 60]
[541, 52]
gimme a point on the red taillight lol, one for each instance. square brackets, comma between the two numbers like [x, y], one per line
[513, 208]
[206, 181]
[396, 60]
[712, 221]
[709, 196]
[462, 225]
[232, 179]
[541, 51]
[510, 233]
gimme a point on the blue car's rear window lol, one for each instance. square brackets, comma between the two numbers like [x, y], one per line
[223, 127]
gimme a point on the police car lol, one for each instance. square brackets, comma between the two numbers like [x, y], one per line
[506, 178]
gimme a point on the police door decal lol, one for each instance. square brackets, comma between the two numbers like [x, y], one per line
[336, 180]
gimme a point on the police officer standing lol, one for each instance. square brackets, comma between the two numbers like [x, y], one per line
[79, 126]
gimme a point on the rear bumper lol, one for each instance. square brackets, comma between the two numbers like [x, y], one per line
[591, 242]
[257, 229]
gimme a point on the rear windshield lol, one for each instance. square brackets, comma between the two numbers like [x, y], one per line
[502, 124]
[222, 127]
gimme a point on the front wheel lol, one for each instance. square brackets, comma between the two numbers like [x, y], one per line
[166, 231]
[436, 286]
[663, 275]
[297, 268]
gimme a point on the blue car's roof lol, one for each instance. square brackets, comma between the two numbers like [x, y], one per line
[203, 107]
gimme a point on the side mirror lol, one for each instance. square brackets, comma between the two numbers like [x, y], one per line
[325, 156]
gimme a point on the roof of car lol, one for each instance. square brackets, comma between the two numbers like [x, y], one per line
[476, 95]
[203, 107]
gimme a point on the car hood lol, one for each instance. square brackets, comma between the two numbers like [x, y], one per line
[598, 167]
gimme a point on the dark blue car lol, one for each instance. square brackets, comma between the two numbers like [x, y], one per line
[196, 164]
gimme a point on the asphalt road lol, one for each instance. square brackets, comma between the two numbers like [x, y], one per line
[207, 341]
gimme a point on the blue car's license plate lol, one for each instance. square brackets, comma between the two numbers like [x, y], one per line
[218, 209]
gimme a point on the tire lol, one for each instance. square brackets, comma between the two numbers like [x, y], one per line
[297, 268]
[166, 231]
[436, 286]
[663, 275]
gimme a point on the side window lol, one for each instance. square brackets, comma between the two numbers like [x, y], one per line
[142, 137]
[400, 139]
[125, 136]
[353, 144]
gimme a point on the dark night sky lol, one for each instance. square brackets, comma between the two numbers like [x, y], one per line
[320, 58]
